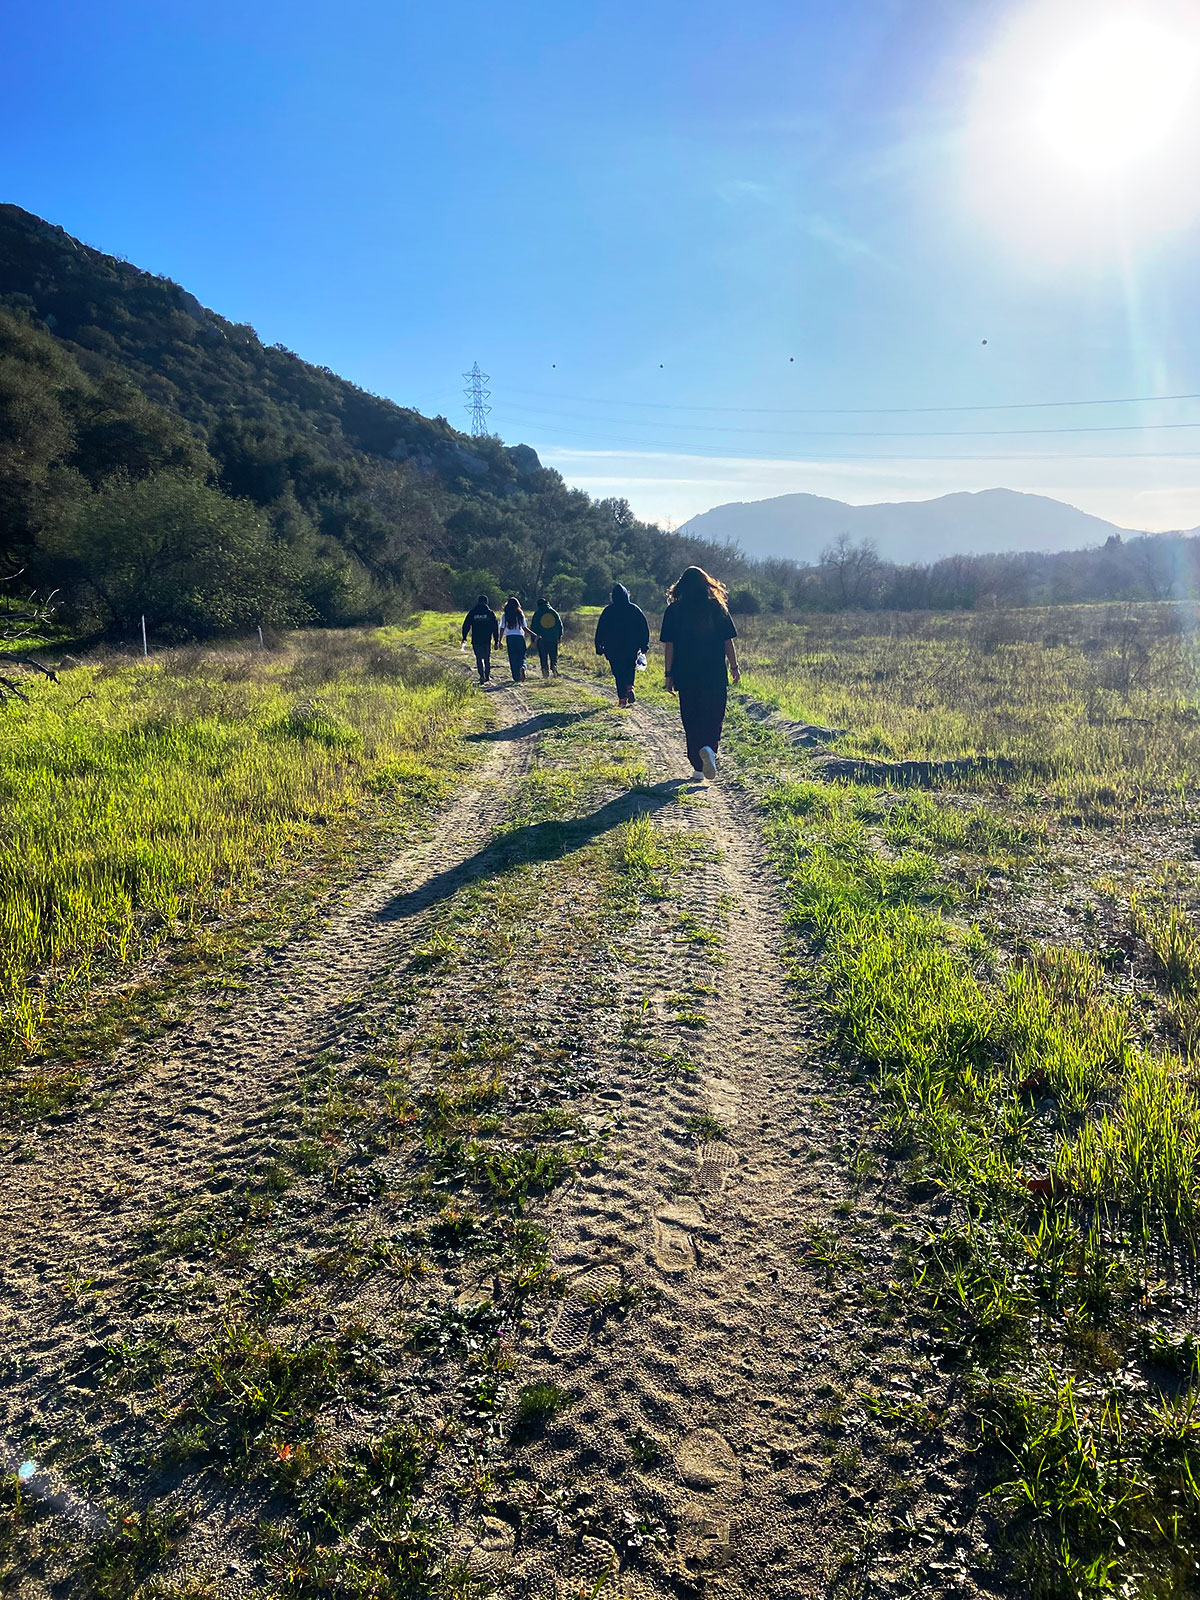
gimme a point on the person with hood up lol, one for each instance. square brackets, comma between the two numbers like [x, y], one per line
[516, 636]
[622, 633]
[547, 628]
[698, 657]
[483, 625]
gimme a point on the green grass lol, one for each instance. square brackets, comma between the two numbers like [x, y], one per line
[18, 1515]
[537, 1404]
[252, 1401]
[145, 803]
[116, 1564]
[1050, 1102]
[1097, 701]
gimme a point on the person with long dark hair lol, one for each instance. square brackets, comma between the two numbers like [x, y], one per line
[516, 636]
[698, 657]
[483, 625]
[621, 634]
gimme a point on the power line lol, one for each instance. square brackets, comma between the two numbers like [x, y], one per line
[658, 447]
[852, 411]
[870, 433]
[477, 395]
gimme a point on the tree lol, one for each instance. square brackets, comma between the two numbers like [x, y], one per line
[19, 632]
[178, 552]
[743, 602]
[62, 429]
[564, 592]
[466, 585]
[852, 572]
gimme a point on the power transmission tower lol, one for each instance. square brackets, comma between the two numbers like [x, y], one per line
[478, 396]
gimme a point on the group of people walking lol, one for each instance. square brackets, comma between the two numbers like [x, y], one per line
[697, 636]
[486, 629]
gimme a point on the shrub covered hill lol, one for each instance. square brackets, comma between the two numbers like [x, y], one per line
[156, 459]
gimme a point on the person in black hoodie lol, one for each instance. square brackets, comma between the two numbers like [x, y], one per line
[483, 625]
[621, 633]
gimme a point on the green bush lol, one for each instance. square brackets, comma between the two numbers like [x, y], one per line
[469, 583]
[564, 592]
[744, 602]
[189, 559]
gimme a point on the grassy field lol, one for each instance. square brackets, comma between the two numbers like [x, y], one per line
[1013, 961]
[146, 804]
[1091, 696]
[1019, 966]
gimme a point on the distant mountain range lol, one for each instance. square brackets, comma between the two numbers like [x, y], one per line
[992, 521]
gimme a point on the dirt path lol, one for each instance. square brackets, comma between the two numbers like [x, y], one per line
[716, 1440]
[729, 1176]
[74, 1197]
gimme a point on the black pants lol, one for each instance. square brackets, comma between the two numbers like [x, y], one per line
[548, 655]
[702, 712]
[516, 656]
[483, 661]
[624, 670]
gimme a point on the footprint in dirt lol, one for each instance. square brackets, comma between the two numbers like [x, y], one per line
[592, 1569]
[703, 1538]
[487, 1545]
[724, 1100]
[673, 1249]
[716, 1164]
[706, 1461]
[589, 1289]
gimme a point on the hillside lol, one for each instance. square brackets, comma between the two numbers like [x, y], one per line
[796, 527]
[127, 402]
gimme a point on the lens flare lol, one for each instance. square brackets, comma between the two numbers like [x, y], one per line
[1082, 136]
[1118, 95]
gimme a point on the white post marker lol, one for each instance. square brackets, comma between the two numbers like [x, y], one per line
[261, 645]
[145, 646]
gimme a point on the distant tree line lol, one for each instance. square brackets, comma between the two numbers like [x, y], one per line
[850, 576]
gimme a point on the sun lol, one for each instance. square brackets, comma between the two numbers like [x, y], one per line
[1117, 95]
[1081, 139]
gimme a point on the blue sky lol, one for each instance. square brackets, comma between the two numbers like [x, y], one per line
[691, 243]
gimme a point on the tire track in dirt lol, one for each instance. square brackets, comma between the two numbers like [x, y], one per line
[76, 1195]
[756, 1501]
[724, 1384]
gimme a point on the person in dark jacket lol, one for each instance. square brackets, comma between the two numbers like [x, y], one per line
[698, 657]
[547, 628]
[621, 633]
[483, 625]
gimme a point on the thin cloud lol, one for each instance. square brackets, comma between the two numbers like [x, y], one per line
[846, 246]
[739, 191]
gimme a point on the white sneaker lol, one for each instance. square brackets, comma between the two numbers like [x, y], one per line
[697, 776]
[708, 761]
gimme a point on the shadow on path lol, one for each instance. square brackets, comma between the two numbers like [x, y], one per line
[536, 841]
[538, 724]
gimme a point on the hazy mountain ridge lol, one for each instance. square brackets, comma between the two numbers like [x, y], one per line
[797, 527]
